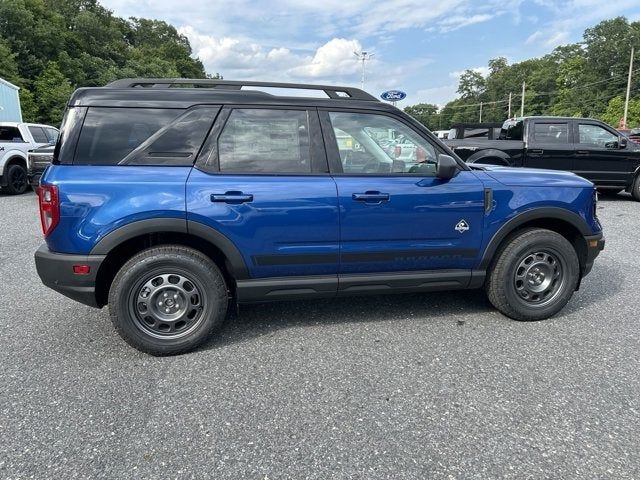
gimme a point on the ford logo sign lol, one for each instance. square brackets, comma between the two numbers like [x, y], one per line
[393, 95]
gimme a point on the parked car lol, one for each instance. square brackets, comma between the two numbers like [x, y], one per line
[587, 147]
[171, 205]
[16, 139]
[476, 131]
[38, 160]
[441, 134]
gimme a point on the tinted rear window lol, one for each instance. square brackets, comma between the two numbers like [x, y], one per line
[10, 134]
[551, 133]
[110, 134]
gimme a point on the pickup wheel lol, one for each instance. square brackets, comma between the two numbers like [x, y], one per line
[17, 181]
[533, 275]
[635, 189]
[168, 300]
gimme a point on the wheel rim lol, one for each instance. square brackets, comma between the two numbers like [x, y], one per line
[539, 278]
[167, 305]
[18, 179]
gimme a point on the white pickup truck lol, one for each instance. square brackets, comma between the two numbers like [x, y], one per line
[16, 139]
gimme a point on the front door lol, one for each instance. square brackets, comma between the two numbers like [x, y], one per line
[263, 183]
[395, 214]
[598, 157]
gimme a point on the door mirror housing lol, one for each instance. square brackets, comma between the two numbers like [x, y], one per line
[622, 142]
[447, 167]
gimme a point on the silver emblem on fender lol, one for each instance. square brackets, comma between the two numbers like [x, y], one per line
[462, 226]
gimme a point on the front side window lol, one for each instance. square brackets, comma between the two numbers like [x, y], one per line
[378, 144]
[52, 135]
[596, 136]
[38, 135]
[551, 133]
[265, 141]
[110, 134]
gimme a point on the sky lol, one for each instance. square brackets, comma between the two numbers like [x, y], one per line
[419, 46]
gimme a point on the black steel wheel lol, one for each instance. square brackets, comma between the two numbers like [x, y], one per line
[17, 181]
[533, 275]
[168, 299]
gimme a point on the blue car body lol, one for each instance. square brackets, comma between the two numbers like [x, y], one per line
[306, 235]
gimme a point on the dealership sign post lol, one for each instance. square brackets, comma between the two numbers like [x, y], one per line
[393, 96]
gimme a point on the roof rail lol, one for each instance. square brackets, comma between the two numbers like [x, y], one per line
[331, 91]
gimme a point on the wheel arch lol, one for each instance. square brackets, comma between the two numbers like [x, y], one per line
[490, 153]
[121, 244]
[566, 223]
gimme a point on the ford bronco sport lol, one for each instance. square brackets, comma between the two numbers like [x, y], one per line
[171, 202]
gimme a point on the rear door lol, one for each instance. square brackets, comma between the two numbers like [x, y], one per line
[549, 145]
[395, 214]
[598, 156]
[262, 181]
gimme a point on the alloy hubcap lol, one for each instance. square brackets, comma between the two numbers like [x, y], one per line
[18, 179]
[167, 305]
[538, 278]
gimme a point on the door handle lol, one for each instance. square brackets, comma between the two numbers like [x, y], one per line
[231, 197]
[582, 152]
[536, 152]
[371, 197]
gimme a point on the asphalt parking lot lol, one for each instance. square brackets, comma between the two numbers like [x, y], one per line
[413, 386]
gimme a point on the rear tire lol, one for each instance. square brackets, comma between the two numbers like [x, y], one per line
[534, 275]
[17, 181]
[635, 189]
[168, 300]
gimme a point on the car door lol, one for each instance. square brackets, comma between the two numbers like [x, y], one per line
[598, 156]
[549, 145]
[262, 181]
[396, 216]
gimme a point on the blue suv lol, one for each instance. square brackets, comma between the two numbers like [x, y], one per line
[172, 200]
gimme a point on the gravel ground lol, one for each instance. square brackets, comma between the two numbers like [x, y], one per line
[413, 386]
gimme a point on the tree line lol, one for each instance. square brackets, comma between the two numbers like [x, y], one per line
[50, 47]
[585, 79]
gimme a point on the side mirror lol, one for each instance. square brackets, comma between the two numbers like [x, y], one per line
[447, 167]
[622, 143]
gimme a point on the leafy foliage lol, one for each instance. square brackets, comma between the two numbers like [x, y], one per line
[50, 47]
[586, 79]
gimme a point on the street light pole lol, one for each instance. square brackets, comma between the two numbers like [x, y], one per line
[626, 102]
[363, 57]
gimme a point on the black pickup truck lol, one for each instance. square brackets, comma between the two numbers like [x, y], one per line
[587, 147]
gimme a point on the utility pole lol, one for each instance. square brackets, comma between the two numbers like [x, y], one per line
[626, 102]
[524, 84]
[480, 112]
[509, 116]
[363, 57]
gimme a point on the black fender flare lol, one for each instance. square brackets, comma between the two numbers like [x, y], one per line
[174, 225]
[513, 224]
[477, 157]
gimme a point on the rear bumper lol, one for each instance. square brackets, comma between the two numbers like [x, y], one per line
[595, 244]
[56, 272]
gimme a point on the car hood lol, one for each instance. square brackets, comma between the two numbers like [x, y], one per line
[535, 177]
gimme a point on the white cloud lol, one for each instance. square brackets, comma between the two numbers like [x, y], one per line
[460, 21]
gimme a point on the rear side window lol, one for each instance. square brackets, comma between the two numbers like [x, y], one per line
[10, 134]
[265, 141]
[109, 135]
[551, 132]
[38, 135]
[512, 130]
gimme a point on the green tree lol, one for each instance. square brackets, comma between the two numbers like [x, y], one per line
[425, 113]
[615, 112]
[51, 90]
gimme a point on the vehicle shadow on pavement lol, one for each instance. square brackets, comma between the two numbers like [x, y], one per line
[256, 320]
[261, 319]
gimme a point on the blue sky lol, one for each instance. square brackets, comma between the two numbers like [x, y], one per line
[419, 46]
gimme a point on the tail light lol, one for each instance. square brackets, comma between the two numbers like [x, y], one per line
[397, 151]
[421, 155]
[49, 207]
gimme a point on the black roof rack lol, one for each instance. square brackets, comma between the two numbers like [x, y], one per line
[334, 92]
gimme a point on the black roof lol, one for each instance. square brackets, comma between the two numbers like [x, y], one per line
[162, 93]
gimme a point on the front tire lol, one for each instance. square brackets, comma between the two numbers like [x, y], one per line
[534, 275]
[17, 181]
[168, 300]
[635, 189]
